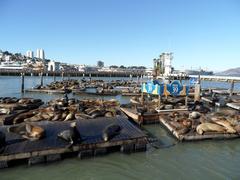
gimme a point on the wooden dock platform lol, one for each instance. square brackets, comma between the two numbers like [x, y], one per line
[147, 118]
[193, 136]
[130, 139]
[49, 91]
[96, 93]
[234, 105]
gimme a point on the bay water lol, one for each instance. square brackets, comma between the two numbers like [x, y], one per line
[168, 160]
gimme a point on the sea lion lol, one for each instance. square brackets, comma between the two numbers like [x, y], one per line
[183, 131]
[233, 121]
[35, 118]
[206, 127]
[24, 100]
[20, 118]
[187, 123]
[80, 115]
[109, 114]
[34, 132]
[5, 111]
[237, 128]
[96, 113]
[19, 129]
[70, 135]
[203, 119]
[174, 114]
[227, 125]
[37, 87]
[57, 116]
[168, 106]
[194, 115]
[110, 131]
[70, 116]
[64, 115]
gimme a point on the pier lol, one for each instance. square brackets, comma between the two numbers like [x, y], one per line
[7, 72]
[51, 148]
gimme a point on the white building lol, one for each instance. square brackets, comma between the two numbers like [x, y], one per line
[167, 62]
[7, 58]
[40, 54]
[1, 55]
[53, 66]
[163, 65]
[29, 54]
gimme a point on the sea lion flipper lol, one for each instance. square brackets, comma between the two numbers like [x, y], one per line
[28, 128]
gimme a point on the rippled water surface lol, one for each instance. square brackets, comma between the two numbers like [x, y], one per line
[167, 159]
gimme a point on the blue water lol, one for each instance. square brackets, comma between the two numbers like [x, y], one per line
[171, 160]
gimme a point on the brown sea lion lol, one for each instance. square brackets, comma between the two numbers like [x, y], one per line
[70, 116]
[24, 100]
[203, 119]
[20, 118]
[227, 125]
[37, 117]
[209, 127]
[187, 123]
[109, 114]
[17, 129]
[34, 132]
[64, 115]
[57, 116]
[82, 116]
[233, 121]
[237, 128]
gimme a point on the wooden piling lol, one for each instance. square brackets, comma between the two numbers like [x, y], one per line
[62, 75]
[54, 76]
[197, 92]
[41, 74]
[231, 88]
[22, 86]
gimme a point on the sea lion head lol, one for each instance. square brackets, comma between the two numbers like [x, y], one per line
[194, 115]
[73, 124]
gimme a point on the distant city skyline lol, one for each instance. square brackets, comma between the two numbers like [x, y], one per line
[200, 33]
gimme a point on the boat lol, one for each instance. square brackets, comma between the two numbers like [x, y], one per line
[11, 65]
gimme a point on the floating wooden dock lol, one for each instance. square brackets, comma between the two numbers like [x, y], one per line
[146, 118]
[50, 148]
[49, 91]
[193, 136]
[130, 94]
[234, 105]
[97, 94]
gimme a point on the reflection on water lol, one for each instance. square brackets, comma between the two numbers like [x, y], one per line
[167, 159]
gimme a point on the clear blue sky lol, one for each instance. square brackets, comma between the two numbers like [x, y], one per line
[202, 33]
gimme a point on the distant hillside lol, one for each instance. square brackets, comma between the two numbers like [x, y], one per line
[230, 72]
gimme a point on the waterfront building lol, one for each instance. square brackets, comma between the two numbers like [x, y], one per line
[29, 54]
[1, 55]
[7, 58]
[53, 66]
[163, 65]
[80, 68]
[40, 54]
